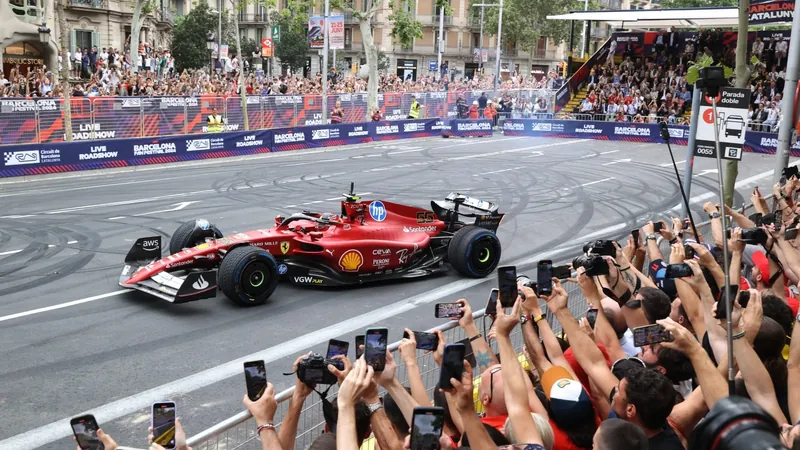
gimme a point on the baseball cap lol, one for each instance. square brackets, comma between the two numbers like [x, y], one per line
[569, 402]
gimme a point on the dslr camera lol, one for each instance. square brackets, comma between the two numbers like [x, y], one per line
[754, 236]
[600, 247]
[314, 370]
[595, 265]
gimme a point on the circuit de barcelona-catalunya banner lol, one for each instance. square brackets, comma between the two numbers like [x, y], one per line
[55, 157]
[629, 132]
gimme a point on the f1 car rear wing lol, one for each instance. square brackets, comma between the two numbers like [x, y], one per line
[485, 213]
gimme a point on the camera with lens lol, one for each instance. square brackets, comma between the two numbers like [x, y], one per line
[754, 236]
[600, 247]
[736, 423]
[711, 78]
[595, 265]
[314, 370]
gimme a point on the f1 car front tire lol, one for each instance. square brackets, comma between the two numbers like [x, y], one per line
[474, 252]
[188, 235]
[248, 275]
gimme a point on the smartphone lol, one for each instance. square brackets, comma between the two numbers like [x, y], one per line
[376, 340]
[448, 311]
[635, 235]
[336, 348]
[426, 428]
[255, 377]
[359, 343]
[452, 364]
[425, 341]
[507, 285]
[591, 316]
[790, 234]
[651, 334]
[163, 423]
[681, 270]
[561, 272]
[491, 306]
[85, 430]
[657, 226]
[688, 251]
[545, 277]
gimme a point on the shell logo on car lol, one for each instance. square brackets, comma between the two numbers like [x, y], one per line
[351, 261]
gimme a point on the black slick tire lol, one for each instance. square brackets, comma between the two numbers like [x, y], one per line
[248, 275]
[474, 252]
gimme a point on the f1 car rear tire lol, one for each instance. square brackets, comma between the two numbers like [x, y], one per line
[185, 237]
[474, 252]
[248, 275]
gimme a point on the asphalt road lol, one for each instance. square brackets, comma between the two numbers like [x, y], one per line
[71, 341]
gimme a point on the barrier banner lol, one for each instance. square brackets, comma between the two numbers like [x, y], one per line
[37, 159]
[756, 142]
[465, 128]
[402, 129]
[284, 139]
[768, 11]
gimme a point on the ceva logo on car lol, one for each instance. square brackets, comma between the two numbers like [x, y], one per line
[377, 211]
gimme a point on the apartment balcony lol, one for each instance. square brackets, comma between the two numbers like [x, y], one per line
[349, 19]
[544, 54]
[353, 46]
[252, 18]
[165, 15]
[428, 20]
[89, 4]
[610, 4]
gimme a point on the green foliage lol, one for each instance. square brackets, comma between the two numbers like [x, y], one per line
[189, 37]
[249, 46]
[525, 21]
[295, 17]
[405, 28]
[693, 72]
[697, 3]
[292, 48]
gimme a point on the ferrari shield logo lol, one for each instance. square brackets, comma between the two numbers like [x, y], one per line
[285, 247]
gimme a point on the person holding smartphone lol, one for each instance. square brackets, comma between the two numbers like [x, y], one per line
[263, 411]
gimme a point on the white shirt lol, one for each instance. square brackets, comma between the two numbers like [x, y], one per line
[781, 46]
[626, 342]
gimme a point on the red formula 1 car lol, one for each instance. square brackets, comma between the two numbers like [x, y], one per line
[369, 241]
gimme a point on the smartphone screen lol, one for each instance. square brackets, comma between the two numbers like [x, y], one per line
[507, 285]
[561, 272]
[255, 377]
[375, 347]
[591, 316]
[426, 428]
[359, 343]
[452, 364]
[491, 306]
[164, 424]
[85, 430]
[448, 311]
[336, 348]
[678, 271]
[635, 234]
[650, 334]
[426, 341]
[657, 226]
[544, 276]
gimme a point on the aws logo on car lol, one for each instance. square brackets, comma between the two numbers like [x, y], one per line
[351, 261]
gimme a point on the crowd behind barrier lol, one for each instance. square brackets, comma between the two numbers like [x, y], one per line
[30, 121]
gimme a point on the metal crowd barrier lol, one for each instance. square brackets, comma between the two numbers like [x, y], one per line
[32, 121]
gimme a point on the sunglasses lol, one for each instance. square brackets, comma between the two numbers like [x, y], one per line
[491, 381]
[630, 358]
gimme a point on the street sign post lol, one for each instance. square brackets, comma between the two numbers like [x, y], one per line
[276, 34]
[266, 48]
[730, 122]
[432, 65]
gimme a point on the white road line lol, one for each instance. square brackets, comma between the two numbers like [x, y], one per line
[669, 163]
[362, 194]
[116, 218]
[95, 186]
[131, 404]
[617, 162]
[313, 162]
[588, 156]
[596, 181]
[127, 202]
[610, 151]
[499, 171]
[60, 306]
[23, 216]
[406, 151]
[10, 252]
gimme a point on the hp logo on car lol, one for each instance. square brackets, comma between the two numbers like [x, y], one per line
[377, 211]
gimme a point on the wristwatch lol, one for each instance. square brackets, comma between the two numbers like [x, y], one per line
[525, 318]
[374, 407]
[714, 215]
[651, 236]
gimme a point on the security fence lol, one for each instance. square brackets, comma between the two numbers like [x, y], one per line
[31, 121]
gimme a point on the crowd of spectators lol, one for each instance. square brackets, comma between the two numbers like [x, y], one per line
[653, 88]
[595, 386]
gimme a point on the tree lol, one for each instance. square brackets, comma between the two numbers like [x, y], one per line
[63, 74]
[189, 37]
[292, 48]
[525, 21]
[742, 81]
[696, 3]
[141, 8]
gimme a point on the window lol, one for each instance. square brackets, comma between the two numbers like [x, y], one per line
[348, 38]
[83, 39]
[364, 5]
[476, 40]
[541, 47]
[259, 36]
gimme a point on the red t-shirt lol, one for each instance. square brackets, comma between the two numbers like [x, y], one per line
[498, 422]
[561, 440]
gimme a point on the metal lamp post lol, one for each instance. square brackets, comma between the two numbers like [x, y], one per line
[210, 41]
[499, 39]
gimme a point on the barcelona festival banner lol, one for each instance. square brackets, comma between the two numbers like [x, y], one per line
[316, 38]
[769, 11]
[336, 32]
